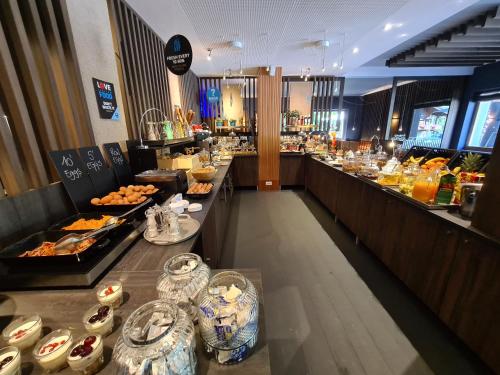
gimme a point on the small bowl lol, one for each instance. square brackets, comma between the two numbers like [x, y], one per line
[12, 366]
[110, 293]
[23, 332]
[103, 325]
[52, 350]
[206, 174]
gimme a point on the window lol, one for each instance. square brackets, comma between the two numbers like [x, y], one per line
[485, 126]
[324, 120]
[427, 125]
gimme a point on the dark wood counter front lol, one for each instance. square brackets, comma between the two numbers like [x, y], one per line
[292, 166]
[453, 268]
[245, 171]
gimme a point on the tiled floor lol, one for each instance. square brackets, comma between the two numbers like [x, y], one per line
[331, 307]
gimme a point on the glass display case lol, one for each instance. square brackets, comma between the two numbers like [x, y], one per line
[157, 338]
[228, 317]
[184, 276]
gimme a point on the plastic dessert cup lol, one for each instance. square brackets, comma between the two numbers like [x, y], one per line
[52, 350]
[23, 332]
[99, 319]
[110, 293]
[86, 354]
[10, 361]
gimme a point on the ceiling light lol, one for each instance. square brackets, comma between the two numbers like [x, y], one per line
[388, 27]
[355, 50]
[267, 68]
[353, 128]
[301, 74]
[209, 57]
[341, 66]
[378, 128]
[403, 35]
[305, 78]
[335, 65]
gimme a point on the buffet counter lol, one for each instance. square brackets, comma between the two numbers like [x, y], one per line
[452, 267]
[138, 271]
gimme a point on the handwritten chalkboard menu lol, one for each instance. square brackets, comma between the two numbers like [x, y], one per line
[75, 178]
[120, 165]
[102, 177]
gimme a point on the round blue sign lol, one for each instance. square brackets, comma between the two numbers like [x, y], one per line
[213, 95]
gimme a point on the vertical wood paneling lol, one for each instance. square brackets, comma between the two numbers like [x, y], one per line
[142, 65]
[190, 97]
[41, 92]
[269, 109]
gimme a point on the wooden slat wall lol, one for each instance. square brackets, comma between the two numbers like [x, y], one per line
[269, 109]
[324, 100]
[285, 101]
[40, 92]
[143, 71]
[190, 94]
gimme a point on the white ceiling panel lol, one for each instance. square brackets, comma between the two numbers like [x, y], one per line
[283, 32]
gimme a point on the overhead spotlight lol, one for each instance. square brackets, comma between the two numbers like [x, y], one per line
[355, 50]
[209, 57]
[335, 65]
[388, 27]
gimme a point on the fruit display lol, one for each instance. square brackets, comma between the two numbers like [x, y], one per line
[23, 332]
[110, 294]
[99, 319]
[436, 162]
[52, 350]
[412, 161]
[86, 356]
[200, 188]
[132, 194]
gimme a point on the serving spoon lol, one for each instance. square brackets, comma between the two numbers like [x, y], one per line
[69, 242]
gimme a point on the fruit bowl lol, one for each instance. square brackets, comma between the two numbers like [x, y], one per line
[205, 174]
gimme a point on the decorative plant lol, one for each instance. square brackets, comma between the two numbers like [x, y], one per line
[293, 114]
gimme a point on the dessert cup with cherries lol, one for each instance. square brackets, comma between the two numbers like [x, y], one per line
[10, 361]
[86, 354]
[99, 319]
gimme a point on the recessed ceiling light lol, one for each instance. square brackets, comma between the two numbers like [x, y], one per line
[403, 35]
[388, 27]
[335, 65]
[355, 50]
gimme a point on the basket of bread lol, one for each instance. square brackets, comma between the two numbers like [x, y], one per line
[199, 190]
[205, 174]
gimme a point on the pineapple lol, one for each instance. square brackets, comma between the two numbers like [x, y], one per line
[471, 162]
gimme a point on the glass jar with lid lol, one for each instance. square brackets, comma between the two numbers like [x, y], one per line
[184, 276]
[228, 317]
[158, 338]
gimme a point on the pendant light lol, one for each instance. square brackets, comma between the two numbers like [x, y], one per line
[402, 113]
[209, 57]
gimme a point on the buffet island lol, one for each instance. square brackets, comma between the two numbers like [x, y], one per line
[449, 265]
[149, 300]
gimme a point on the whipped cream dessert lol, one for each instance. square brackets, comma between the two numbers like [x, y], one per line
[52, 350]
[86, 355]
[110, 294]
[10, 361]
[23, 332]
[99, 319]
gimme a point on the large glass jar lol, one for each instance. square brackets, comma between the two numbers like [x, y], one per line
[426, 186]
[184, 276]
[158, 338]
[228, 317]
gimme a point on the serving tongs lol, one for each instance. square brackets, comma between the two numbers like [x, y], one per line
[69, 242]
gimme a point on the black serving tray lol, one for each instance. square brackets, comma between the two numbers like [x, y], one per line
[439, 152]
[10, 255]
[459, 157]
[416, 152]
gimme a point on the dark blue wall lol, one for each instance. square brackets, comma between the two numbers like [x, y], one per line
[485, 78]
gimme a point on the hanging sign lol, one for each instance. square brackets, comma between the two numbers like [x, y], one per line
[106, 99]
[213, 95]
[178, 55]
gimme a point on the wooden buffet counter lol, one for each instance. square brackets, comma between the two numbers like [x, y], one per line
[453, 268]
[138, 271]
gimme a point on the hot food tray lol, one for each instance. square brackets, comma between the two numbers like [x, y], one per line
[11, 254]
[83, 215]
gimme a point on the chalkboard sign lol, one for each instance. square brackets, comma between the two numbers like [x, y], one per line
[102, 177]
[119, 163]
[75, 178]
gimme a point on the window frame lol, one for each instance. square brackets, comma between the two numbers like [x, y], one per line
[478, 98]
[437, 103]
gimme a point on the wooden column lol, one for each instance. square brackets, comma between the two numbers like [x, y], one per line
[268, 125]
[485, 217]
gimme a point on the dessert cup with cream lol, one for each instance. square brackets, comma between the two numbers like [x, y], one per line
[10, 361]
[110, 293]
[52, 350]
[23, 332]
[99, 319]
[86, 354]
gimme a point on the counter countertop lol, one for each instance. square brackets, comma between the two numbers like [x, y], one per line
[138, 271]
[450, 216]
